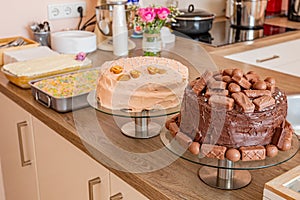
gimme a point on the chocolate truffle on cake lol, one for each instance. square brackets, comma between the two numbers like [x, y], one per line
[250, 109]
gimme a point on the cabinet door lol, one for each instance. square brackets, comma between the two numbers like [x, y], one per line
[121, 190]
[17, 159]
[64, 172]
[282, 57]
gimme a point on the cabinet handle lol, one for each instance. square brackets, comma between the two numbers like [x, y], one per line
[117, 196]
[93, 182]
[23, 161]
[267, 59]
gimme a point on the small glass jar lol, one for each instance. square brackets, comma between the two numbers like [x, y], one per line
[152, 44]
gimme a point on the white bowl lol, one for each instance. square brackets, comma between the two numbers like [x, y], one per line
[73, 42]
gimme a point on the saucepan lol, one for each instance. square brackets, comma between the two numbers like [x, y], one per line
[193, 21]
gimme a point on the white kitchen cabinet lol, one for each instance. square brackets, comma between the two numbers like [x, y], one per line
[121, 190]
[282, 57]
[17, 157]
[53, 168]
[64, 172]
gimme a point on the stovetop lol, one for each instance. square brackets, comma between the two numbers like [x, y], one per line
[222, 33]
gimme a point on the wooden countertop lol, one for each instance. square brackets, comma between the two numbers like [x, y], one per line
[177, 180]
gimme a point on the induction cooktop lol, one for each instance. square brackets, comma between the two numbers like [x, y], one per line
[222, 33]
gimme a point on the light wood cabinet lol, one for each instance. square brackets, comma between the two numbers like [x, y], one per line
[17, 155]
[36, 163]
[65, 172]
[121, 190]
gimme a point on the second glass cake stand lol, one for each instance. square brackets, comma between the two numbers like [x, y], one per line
[225, 174]
[141, 126]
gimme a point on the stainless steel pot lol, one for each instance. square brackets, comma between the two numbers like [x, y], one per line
[104, 18]
[193, 21]
[294, 10]
[248, 13]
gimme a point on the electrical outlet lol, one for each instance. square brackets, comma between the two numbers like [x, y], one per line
[65, 10]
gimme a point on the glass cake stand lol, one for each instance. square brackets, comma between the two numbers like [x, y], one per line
[225, 174]
[141, 127]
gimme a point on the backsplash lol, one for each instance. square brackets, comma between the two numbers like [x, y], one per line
[15, 24]
[16, 16]
[215, 6]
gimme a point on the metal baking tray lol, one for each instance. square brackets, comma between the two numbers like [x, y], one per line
[61, 104]
[23, 81]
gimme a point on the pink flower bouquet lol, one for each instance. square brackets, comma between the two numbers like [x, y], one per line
[153, 18]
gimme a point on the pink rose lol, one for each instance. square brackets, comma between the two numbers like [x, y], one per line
[148, 16]
[163, 13]
[141, 11]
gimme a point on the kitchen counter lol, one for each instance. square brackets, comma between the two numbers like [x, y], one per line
[179, 179]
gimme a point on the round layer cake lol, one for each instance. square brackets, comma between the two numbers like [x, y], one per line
[235, 112]
[140, 83]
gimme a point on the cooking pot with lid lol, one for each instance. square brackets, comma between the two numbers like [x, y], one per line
[193, 21]
[248, 13]
[294, 10]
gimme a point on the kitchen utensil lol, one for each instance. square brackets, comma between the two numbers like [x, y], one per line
[294, 10]
[40, 27]
[248, 14]
[104, 17]
[26, 44]
[41, 32]
[43, 38]
[13, 43]
[193, 21]
[35, 27]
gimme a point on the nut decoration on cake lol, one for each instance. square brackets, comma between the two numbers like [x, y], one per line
[140, 83]
[251, 110]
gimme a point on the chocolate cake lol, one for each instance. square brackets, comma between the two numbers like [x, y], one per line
[233, 115]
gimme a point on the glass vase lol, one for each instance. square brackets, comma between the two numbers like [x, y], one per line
[152, 44]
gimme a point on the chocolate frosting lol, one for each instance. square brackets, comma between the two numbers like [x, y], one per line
[237, 128]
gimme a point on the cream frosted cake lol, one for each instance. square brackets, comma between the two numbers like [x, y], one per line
[44, 65]
[20, 73]
[141, 83]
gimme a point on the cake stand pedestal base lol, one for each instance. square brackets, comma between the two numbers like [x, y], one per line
[142, 131]
[222, 178]
[141, 127]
